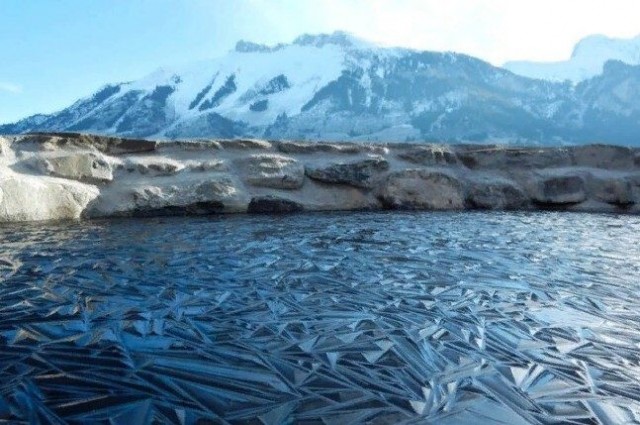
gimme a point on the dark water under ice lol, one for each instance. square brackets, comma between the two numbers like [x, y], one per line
[381, 318]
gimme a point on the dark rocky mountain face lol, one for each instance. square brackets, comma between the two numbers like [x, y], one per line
[335, 87]
[608, 108]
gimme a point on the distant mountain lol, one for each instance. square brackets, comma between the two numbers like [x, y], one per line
[338, 87]
[587, 60]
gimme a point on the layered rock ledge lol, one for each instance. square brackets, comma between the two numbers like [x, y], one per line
[69, 176]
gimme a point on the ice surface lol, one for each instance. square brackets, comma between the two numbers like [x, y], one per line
[514, 318]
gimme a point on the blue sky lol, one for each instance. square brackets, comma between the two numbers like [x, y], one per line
[55, 51]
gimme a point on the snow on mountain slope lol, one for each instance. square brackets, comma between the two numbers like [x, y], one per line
[587, 60]
[338, 87]
[253, 84]
[286, 78]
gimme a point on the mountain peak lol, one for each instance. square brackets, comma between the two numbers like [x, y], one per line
[244, 46]
[592, 41]
[587, 60]
[338, 38]
[339, 87]
[598, 43]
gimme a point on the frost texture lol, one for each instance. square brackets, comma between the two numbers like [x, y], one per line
[519, 318]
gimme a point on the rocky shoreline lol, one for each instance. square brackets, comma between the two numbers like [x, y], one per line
[70, 176]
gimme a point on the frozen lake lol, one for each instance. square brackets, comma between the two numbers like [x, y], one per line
[382, 318]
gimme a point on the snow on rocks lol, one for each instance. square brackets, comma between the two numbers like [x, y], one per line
[587, 60]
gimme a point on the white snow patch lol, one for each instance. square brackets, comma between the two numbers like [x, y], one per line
[587, 60]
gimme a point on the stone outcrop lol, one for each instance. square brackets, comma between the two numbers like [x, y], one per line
[361, 174]
[505, 158]
[611, 190]
[154, 166]
[331, 148]
[604, 156]
[84, 167]
[245, 144]
[78, 141]
[216, 195]
[272, 171]
[430, 155]
[30, 198]
[212, 165]
[559, 190]
[70, 176]
[494, 193]
[273, 205]
[421, 189]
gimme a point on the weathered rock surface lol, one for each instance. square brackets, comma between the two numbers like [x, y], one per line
[273, 205]
[361, 174]
[422, 189]
[212, 165]
[430, 155]
[333, 148]
[245, 144]
[205, 197]
[154, 166]
[68, 176]
[31, 198]
[611, 190]
[559, 189]
[495, 194]
[84, 167]
[505, 158]
[604, 156]
[272, 171]
[74, 141]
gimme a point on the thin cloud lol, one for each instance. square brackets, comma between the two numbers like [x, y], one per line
[10, 87]
[493, 30]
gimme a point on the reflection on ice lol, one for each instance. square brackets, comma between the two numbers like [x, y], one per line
[524, 318]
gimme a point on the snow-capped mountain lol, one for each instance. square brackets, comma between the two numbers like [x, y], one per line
[338, 87]
[587, 60]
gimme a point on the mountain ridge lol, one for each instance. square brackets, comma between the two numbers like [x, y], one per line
[339, 87]
[587, 59]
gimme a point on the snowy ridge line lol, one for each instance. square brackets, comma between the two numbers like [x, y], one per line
[587, 60]
[337, 87]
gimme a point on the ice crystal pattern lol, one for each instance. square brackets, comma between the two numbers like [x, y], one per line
[506, 318]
